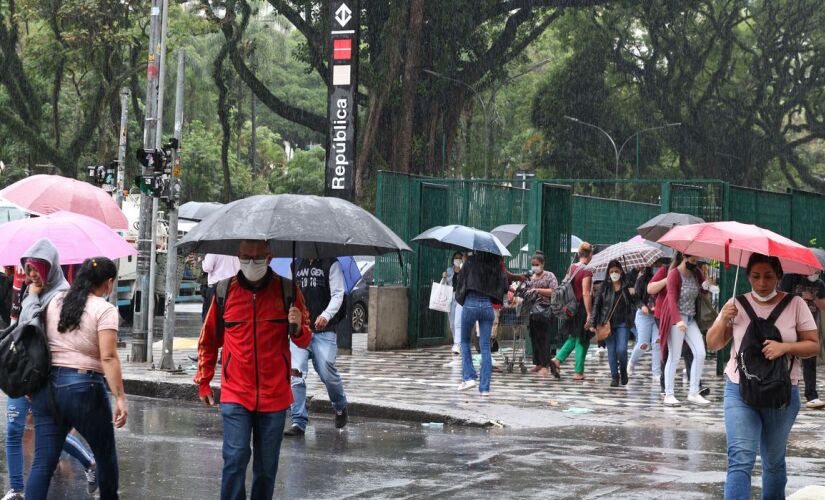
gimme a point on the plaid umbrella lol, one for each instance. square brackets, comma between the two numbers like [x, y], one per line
[631, 255]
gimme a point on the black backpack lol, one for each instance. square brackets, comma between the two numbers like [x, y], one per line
[25, 359]
[563, 303]
[763, 383]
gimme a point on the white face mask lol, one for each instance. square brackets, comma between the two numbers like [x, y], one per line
[537, 269]
[458, 263]
[253, 269]
[766, 298]
[813, 277]
[615, 277]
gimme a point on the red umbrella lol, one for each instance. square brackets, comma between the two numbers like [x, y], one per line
[734, 242]
[46, 194]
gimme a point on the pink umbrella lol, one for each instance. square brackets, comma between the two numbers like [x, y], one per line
[75, 236]
[46, 194]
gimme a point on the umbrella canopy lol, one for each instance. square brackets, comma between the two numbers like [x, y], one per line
[733, 243]
[656, 227]
[665, 250]
[631, 255]
[293, 225]
[75, 236]
[198, 210]
[463, 238]
[508, 232]
[47, 194]
[349, 268]
[820, 255]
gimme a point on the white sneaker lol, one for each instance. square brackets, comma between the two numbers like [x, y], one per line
[815, 404]
[14, 495]
[467, 384]
[697, 399]
[485, 395]
[456, 350]
[672, 401]
[630, 370]
[602, 351]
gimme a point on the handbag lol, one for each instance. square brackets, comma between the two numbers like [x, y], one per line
[604, 331]
[441, 296]
[705, 313]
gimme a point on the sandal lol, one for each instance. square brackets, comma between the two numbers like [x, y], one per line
[578, 377]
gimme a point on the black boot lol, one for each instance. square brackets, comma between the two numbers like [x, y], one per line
[624, 377]
[615, 381]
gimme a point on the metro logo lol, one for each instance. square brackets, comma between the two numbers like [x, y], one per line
[342, 49]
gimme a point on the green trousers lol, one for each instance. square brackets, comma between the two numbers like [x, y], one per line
[574, 341]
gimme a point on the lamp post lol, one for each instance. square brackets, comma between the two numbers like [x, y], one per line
[618, 150]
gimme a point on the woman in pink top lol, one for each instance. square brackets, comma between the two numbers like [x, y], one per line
[82, 330]
[749, 428]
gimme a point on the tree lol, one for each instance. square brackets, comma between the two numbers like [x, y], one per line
[304, 174]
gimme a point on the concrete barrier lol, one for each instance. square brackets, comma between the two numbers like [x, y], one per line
[388, 314]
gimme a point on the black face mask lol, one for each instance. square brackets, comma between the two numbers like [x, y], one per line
[690, 266]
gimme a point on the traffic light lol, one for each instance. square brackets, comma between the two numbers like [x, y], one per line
[153, 159]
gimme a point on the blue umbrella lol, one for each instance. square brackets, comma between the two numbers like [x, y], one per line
[462, 237]
[349, 267]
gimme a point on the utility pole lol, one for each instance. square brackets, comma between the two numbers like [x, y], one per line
[167, 361]
[145, 242]
[120, 183]
[155, 201]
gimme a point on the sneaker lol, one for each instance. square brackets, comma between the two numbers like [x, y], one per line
[704, 391]
[14, 495]
[815, 404]
[294, 431]
[697, 399]
[624, 378]
[91, 478]
[602, 351]
[467, 384]
[456, 351]
[671, 401]
[485, 395]
[614, 382]
[341, 419]
[630, 370]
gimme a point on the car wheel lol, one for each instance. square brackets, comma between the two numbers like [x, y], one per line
[359, 317]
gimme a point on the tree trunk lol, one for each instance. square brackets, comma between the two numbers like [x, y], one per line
[253, 140]
[403, 151]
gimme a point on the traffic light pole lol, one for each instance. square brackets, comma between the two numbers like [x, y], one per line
[139, 329]
[120, 183]
[167, 361]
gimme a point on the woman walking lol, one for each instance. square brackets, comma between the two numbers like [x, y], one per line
[455, 308]
[542, 284]
[82, 330]
[645, 321]
[684, 284]
[481, 283]
[576, 328]
[749, 428]
[614, 305]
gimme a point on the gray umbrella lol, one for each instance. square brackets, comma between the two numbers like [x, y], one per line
[294, 225]
[819, 254]
[658, 226]
[508, 232]
[198, 210]
[462, 237]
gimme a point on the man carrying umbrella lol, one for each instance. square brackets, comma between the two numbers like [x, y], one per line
[321, 281]
[255, 393]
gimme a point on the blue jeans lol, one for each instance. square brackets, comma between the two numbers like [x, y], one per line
[16, 411]
[647, 333]
[265, 429]
[477, 308]
[617, 349]
[83, 403]
[322, 351]
[749, 429]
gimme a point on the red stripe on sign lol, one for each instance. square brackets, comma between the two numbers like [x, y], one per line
[342, 49]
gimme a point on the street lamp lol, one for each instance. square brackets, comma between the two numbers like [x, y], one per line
[618, 150]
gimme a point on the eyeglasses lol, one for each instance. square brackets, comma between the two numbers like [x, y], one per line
[250, 260]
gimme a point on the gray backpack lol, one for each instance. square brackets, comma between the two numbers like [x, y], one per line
[563, 303]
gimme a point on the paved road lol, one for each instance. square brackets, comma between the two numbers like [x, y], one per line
[171, 450]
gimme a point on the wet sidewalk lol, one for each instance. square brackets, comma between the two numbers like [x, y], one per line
[420, 385]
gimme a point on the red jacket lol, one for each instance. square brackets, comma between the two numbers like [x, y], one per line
[256, 361]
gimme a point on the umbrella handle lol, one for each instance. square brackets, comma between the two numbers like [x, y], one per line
[293, 328]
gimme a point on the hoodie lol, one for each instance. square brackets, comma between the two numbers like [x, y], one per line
[54, 283]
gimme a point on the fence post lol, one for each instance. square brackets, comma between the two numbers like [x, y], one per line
[665, 195]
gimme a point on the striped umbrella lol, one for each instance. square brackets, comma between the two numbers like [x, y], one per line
[631, 255]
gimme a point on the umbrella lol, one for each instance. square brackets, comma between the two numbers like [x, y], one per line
[349, 268]
[462, 237]
[656, 227]
[733, 243]
[293, 225]
[575, 242]
[197, 210]
[46, 194]
[820, 255]
[508, 232]
[631, 255]
[665, 250]
[75, 236]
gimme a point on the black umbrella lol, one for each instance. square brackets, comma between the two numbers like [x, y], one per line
[198, 210]
[658, 226]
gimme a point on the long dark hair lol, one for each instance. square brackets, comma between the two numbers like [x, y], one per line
[93, 273]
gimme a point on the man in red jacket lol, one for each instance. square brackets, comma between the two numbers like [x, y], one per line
[255, 382]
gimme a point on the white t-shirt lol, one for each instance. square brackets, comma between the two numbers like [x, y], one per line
[795, 318]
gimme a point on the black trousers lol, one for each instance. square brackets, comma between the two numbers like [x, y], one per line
[540, 340]
[809, 375]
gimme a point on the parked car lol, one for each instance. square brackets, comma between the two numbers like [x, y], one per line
[360, 295]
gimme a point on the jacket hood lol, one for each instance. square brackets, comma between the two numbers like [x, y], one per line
[44, 249]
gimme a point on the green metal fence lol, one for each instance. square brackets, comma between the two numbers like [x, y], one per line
[599, 211]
